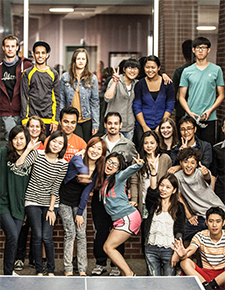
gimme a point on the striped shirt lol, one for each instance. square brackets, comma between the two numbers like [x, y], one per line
[212, 254]
[45, 180]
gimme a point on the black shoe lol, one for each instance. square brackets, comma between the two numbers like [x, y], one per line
[75, 267]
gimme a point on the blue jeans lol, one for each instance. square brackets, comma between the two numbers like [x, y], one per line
[190, 230]
[155, 257]
[41, 232]
[129, 135]
[11, 227]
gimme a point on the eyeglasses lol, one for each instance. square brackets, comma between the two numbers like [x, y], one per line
[133, 68]
[114, 164]
[188, 129]
[201, 47]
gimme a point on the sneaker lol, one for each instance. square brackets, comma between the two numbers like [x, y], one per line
[14, 273]
[114, 272]
[18, 265]
[45, 269]
[75, 267]
[98, 270]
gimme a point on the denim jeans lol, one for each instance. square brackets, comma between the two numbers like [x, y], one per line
[190, 230]
[71, 231]
[129, 135]
[42, 232]
[155, 257]
[11, 227]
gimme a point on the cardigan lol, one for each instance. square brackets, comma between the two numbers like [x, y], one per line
[153, 111]
[152, 204]
[136, 180]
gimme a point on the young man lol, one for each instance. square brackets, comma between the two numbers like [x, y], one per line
[68, 123]
[11, 69]
[188, 129]
[218, 167]
[211, 243]
[115, 142]
[195, 189]
[202, 80]
[40, 91]
[120, 95]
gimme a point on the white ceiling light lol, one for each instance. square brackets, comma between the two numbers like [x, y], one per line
[206, 28]
[61, 10]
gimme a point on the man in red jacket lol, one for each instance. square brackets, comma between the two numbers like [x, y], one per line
[11, 69]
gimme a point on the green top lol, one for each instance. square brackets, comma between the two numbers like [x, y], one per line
[12, 188]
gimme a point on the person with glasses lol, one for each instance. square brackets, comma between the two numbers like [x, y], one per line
[188, 128]
[120, 95]
[203, 80]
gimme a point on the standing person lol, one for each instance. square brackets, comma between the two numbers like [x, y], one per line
[40, 91]
[120, 91]
[203, 80]
[12, 192]
[42, 194]
[126, 219]
[37, 130]
[102, 222]
[189, 58]
[154, 99]
[74, 194]
[168, 136]
[11, 69]
[211, 243]
[79, 89]
[166, 218]
[149, 150]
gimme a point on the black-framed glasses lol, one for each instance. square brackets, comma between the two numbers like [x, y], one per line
[114, 164]
[201, 47]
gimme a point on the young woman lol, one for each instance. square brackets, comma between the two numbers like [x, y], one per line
[74, 193]
[166, 218]
[42, 194]
[37, 130]
[12, 192]
[168, 135]
[120, 90]
[126, 219]
[154, 99]
[79, 89]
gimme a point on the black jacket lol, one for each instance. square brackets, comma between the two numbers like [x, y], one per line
[152, 198]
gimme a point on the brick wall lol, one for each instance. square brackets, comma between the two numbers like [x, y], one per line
[221, 53]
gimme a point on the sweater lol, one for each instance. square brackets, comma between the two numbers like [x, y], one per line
[12, 188]
[116, 202]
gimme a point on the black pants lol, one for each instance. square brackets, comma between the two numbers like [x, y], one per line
[102, 225]
[84, 130]
[208, 133]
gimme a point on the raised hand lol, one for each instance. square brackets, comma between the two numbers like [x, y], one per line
[204, 171]
[138, 160]
[33, 145]
[179, 248]
[184, 143]
[116, 74]
[153, 161]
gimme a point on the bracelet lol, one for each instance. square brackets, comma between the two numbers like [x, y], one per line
[51, 210]
[153, 175]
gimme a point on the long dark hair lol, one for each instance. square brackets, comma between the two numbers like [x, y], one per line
[143, 155]
[53, 136]
[100, 163]
[173, 198]
[175, 134]
[122, 166]
[12, 155]
[86, 74]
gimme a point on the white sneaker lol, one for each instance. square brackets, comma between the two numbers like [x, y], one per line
[98, 270]
[14, 273]
[18, 265]
[114, 272]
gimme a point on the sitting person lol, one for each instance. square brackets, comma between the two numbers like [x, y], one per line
[188, 128]
[211, 243]
[218, 167]
[194, 187]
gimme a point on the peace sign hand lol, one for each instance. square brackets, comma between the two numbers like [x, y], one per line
[116, 74]
[153, 161]
[184, 143]
[138, 160]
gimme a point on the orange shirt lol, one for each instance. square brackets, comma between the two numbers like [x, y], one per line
[74, 145]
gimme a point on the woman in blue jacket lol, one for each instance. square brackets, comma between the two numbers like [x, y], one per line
[153, 101]
[79, 89]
